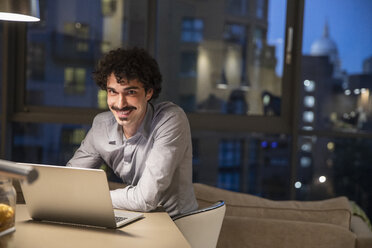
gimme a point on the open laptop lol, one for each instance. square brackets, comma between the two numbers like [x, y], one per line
[73, 195]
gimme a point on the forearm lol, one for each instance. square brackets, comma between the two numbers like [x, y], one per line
[84, 159]
[132, 198]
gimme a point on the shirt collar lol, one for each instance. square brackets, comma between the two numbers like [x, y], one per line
[145, 127]
[115, 132]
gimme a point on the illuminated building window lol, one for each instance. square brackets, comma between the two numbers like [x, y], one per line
[235, 55]
[331, 146]
[105, 47]
[308, 116]
[82, 46]
[307, 128]
[76, 29]
[108, 7]
[74, 80]
[102, 99]
[309, 85]
[266, 100]
[306, 147]
[76, 36]
[309, 101]
[192, 30]
[305, 162]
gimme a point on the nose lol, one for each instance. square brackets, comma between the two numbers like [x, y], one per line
[122, 101]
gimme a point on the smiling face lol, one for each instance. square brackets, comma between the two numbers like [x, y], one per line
[127, 100]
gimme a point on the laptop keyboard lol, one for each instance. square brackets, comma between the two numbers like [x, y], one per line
[120, 218]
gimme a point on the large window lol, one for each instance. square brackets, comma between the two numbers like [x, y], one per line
[276, 109]
[335, 106]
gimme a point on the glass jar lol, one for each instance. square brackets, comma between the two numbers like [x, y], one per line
[8, 201]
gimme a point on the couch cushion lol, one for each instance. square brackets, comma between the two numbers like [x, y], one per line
[332, 211]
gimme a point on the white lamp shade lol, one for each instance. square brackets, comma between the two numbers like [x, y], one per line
[20, 10]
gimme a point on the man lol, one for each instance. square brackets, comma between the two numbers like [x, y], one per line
[148, 146]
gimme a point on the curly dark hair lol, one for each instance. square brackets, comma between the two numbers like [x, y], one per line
[132, 63]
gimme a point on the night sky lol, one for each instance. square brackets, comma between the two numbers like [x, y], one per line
[350, 26]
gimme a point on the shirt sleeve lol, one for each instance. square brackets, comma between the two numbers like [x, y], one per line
[86, 155]
[170, 145]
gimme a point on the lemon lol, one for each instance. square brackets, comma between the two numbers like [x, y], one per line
[6, 217]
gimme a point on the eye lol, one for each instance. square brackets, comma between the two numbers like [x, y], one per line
[111, 91]
[131, 92]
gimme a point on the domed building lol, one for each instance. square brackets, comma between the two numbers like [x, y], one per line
[325, 46]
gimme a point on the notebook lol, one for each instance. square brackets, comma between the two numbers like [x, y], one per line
[73, 195]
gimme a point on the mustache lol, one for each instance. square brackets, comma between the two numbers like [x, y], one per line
[126, 108]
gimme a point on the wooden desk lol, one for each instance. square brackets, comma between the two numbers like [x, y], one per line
[155, 230]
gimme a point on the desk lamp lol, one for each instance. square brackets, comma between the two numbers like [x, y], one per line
[17, 171]
[19, 10]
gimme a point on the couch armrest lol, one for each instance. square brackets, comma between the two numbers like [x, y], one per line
[250, 232]
[334, 211]
[362, 232]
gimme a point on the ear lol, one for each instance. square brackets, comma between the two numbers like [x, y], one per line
[149, 94]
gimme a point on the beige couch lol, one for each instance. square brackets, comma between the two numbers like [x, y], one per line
[252, 221]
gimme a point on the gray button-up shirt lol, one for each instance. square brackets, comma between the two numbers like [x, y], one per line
[156, 162]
